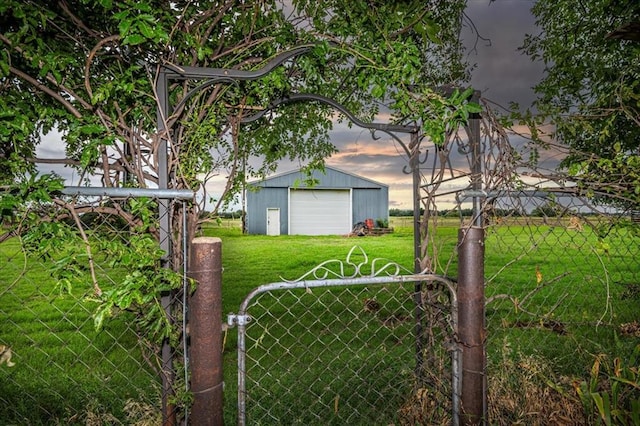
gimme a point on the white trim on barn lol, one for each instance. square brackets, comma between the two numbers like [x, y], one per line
[319, 211]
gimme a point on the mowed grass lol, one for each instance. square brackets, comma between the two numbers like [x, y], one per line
[253, 260]
[65, 371]
[569, 292]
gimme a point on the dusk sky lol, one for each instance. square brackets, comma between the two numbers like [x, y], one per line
[502, 75]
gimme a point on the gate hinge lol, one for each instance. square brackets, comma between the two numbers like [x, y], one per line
[233, 320]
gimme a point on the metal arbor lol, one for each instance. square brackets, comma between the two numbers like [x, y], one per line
[214, 76]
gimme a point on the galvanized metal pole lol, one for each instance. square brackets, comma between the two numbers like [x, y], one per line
[471, 331]
[205, 325]
[164, 216]
[414, 163]
[476, 166]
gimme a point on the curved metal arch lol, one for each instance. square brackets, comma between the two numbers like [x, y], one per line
[389, 129]
[176, 72]
[299, 97]
[226, 75]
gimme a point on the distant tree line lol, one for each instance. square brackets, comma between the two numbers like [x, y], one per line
[237, 214]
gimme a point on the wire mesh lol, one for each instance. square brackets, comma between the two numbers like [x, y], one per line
[54, 279]
[347, 354]
[561, 281]
[561, 272]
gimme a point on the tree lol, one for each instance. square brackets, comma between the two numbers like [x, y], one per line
[89, 69]
[591, 92]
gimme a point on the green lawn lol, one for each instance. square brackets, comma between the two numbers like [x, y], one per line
[65, 371]
[571, 290]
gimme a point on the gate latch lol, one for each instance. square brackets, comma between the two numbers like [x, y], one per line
[233, 320]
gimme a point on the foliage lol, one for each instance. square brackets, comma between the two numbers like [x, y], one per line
[590, 93]
[90, 70]
[75, 237]
[142, 289]
[92, 66]
[525, 388]
[612, 393]
[548, 209]
[382, 223]
[400, 212]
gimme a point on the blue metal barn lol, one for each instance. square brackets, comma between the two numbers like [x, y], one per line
[283, 205]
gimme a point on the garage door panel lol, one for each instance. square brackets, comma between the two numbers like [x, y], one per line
[319, 212]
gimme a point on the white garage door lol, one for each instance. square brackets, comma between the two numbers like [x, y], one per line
[319, 211]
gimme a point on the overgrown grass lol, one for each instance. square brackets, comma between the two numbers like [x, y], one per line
[568, 294]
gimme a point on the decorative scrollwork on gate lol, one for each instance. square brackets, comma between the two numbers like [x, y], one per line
[355, 265]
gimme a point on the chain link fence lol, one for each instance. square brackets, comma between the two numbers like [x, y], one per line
[73, 319]
[562, 284]
[562, 281]
[562, 271]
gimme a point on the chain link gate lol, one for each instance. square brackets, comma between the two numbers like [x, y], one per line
[344, 339]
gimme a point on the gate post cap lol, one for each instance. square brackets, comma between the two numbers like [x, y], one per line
[206, 240]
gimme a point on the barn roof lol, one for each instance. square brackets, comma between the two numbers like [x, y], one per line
[327, 179]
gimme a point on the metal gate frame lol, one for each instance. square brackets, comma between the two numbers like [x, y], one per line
[387, 274]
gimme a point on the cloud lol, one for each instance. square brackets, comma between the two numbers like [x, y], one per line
[503, 73]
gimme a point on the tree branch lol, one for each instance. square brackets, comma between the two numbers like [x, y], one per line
[76, 21]
[57, 96]
[90, 56]
[69, 207]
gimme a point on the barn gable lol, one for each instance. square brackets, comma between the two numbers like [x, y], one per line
[283, 204]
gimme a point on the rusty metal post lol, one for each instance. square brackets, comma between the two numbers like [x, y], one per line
[471, 330]
[205, 325]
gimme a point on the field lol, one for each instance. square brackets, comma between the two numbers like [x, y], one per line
[558, 298]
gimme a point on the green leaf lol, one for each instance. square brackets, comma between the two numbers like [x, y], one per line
[102, 313]
[433, 30]
[133, 39]
[473, 108]
[377, 91]
[4, 67]
[145, 29]
[125, 24]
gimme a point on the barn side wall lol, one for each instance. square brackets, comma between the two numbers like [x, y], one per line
[370, 203]
[257, 204]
